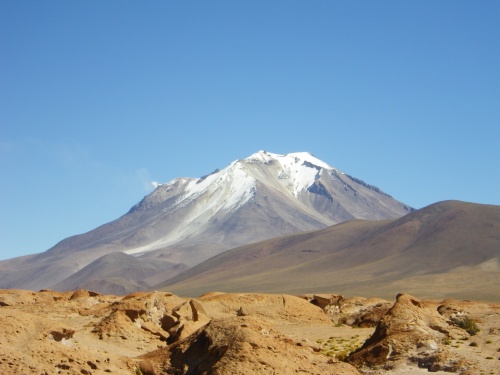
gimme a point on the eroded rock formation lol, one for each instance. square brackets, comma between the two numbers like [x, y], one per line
[156, 333]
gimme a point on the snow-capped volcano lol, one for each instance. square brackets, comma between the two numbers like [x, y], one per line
[316, 193]
[188, 220]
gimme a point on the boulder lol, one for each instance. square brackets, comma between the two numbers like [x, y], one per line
[187, 318]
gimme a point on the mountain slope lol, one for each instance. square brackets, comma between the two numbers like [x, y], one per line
[447, 249]
[119, 273]
[189, 220]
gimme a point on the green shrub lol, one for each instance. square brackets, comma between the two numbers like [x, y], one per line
[467, 324]
[343, 355]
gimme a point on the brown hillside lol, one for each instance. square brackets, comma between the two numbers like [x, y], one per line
[454, 246]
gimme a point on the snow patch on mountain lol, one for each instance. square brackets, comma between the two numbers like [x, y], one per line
[295, 171]
[242, 188]
[229, 188]
[308, 157]
[300, 176]
[265, 157]
[261, 157]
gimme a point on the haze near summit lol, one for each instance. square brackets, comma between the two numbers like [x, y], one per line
[99, 100]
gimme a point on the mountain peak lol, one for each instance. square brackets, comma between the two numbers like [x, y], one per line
[262, 157]
[301, 158]
[294, 175]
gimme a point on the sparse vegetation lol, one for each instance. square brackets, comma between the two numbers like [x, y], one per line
[241, 312]
[467, 324]
[339, 347]
[473, 343]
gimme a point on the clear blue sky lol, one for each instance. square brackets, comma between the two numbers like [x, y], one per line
[100, 98]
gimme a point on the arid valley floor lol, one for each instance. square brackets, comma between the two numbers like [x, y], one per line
[146, 333]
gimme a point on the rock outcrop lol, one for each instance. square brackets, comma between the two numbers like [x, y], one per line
[355, 311]
[412, 331]
[184, 320]
[242, 345]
